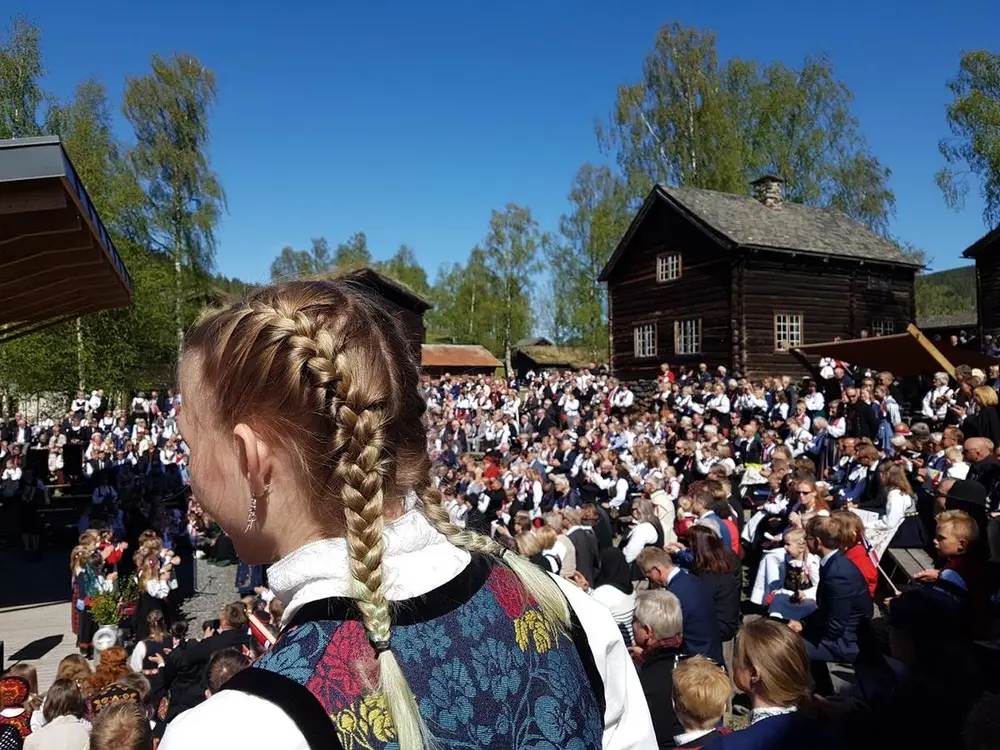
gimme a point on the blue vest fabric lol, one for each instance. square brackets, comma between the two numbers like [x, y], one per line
[487, 668]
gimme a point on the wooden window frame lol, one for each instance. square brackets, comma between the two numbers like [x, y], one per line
[677, 338]
[891, 322]
[802, 329]
[635, 331]
[680, 267]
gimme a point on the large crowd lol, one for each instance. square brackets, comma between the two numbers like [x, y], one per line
[722, 522]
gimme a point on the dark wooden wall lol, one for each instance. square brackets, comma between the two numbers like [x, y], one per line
[988, 289]
[702, 291]
[835, 298]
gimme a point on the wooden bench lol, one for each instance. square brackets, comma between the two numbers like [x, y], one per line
[903, 564]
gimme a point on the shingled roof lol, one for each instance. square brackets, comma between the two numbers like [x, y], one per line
[743, 222]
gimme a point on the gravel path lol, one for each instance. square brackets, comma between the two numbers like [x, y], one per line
[215, 587]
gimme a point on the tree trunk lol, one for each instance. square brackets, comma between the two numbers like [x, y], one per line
[472, 311]
[178, 307]
[506, 333]
[79, 353]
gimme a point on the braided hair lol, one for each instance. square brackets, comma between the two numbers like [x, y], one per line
[324, 367]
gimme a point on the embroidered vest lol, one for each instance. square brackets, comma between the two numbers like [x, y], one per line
[487, 668]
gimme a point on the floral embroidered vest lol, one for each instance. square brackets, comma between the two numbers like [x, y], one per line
[487, 668]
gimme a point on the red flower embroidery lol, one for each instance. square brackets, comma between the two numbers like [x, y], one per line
[507, 588]
[347, 669]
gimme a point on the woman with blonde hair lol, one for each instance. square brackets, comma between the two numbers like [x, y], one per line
[308, 445]
[770, 665]
[985, 422]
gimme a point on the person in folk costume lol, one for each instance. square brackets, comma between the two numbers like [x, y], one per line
[89, 583]
[305, 423]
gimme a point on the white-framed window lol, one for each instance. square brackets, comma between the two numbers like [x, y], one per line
[687, 336]
[787, 331]
[668, 267]
[883, 327]
[644, 338]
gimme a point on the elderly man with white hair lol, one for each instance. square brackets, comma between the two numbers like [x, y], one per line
[938, 399]
[658, 627]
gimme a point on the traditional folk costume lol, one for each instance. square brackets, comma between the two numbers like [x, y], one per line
[487, 668]
[14, 709]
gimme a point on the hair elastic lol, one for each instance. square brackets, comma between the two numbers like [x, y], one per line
[379, 646]
[503, 551]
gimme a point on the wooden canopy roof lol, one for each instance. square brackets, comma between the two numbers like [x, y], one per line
[902, 354]
[57, 261]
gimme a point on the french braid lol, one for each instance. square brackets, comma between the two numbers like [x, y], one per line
[326, 370]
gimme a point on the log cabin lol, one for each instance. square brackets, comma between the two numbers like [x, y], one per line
[986, 252]
[737, 280]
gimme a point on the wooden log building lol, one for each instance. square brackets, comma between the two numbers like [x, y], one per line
[737, 280]
[986, 252]
[438, 360]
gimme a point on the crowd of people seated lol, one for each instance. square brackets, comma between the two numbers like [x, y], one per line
[735, 530]
[721, 500]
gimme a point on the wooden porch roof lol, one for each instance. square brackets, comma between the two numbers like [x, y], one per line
[57, 261]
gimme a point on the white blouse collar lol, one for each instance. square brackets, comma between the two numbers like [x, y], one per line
[417, 560]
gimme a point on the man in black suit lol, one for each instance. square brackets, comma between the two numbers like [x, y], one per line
[831, 632]
[701, 624]
[183, 670]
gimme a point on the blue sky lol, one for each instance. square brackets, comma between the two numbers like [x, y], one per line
[411, 121]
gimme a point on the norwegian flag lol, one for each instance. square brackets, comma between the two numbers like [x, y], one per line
[872, 553]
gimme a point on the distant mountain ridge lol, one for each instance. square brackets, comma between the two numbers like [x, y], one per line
[946, 292]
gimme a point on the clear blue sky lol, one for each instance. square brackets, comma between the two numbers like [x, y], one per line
[411, 121]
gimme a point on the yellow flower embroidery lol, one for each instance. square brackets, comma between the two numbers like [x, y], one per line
[532, 627]
[375, 713]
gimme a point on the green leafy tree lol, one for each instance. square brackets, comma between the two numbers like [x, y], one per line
[21, 71]
[353, 254]
[692, 122]
[973, 150]
[404, 267]
[511, 250]
[466, 304]
[292, 263]
[168, 110]
[589, 234]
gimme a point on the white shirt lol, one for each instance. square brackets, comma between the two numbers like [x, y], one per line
[417, 560]
[641, 536]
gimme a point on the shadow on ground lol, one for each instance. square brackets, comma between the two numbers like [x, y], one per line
[36, 649]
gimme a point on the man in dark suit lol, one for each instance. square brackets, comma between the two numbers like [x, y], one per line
[701, 626]
[183, 671]
[831, 632]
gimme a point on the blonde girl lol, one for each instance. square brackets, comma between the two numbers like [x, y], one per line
[307, 443]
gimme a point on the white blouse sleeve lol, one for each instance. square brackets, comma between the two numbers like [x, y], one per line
[158, 589]
[641, 536]
[138, 655]
[896, 504]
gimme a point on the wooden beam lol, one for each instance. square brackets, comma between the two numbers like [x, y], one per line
[40, 222]
[73, 285]
[926, 343]
[18, 280]
[26, 329]
[22, 199]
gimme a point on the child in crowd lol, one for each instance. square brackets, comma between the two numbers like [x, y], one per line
[852, 543]
[122, 726]
[701, 692]
[961, 572]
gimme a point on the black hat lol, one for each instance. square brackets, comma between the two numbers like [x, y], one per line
[967, 492]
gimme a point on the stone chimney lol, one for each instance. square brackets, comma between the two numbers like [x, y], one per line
[769, 189]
